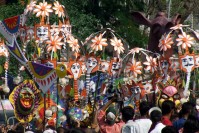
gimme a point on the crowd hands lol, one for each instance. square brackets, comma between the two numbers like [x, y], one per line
[109, 119]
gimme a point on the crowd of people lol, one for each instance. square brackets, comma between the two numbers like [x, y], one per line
[166, 119]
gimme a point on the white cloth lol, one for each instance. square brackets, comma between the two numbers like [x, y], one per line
[29, 132]
[50, 131]
[130, 127]
[144, 125]
[158, 128]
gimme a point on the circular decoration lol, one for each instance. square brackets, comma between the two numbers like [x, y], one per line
[25, 98]
[75, 113]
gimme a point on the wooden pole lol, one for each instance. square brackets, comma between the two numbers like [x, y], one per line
[44, 121]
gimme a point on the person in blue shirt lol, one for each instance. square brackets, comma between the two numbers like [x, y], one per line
[187, 108]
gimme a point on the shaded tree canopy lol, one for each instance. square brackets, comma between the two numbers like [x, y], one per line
[88, 16]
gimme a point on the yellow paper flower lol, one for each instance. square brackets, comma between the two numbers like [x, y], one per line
[151, 63]
[185, 40]
[43, 9]
[165, 42]
[54, 43]
[59, 9]
[117, 44]
[98, 42]
[134, 68]
[73, 43]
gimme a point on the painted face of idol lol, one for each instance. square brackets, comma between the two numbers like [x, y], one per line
[75, 69]
[164, 66]
[91, 63]
[42, 32]
[187, 63]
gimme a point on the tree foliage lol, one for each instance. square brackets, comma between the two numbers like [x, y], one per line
[88, 16]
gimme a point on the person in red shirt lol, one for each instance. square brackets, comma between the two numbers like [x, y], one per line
[168, 107]
[107, 119]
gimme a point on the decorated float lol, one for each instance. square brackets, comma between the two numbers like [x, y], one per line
[69, 77]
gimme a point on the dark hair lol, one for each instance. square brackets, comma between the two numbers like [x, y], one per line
[20, 128]
[191, 125]
[169, 129]
[127, 113]
[11, 131]
[167, 107]
[62, 130]
[76, 130]
[144, 108]
[38, 131]
[50, 127]
[187, 107]
[155, 116]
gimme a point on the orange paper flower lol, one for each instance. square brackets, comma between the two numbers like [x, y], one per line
[98, 42]
[135, 50]
[43, 9]
[73, 43]
[134, 68]
[59, 9]
[54, 43]
[178, 26]
[165, 42]
[151, 63]
[117, 44]
[185, 40]
[30, 7]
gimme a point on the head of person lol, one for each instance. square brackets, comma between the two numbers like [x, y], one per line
[20, 128]
[62, 130]
[50, 127]
[76, 130]
[111, 116]
[127, 113]
[10, 131]
[187, 108]
[144, 108]
[191, 125]
[169, 129]
[155, 116]
[168, 107]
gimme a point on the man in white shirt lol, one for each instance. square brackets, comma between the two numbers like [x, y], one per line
[127, 117]
[157, 125]
[144, 123]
